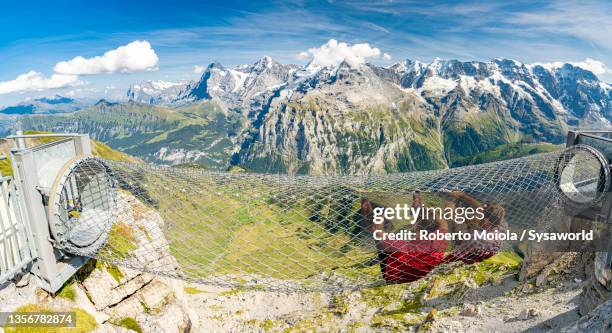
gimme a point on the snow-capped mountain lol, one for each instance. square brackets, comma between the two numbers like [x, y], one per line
[411, 115]
[229, 86]
[242, 86]
[349, 119]
[571, 93]
[156, 92]
[574, 94]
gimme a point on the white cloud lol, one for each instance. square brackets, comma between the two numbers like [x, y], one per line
[134, 57]
[303, 56]
[333, 53]
[81, 92]
[35, 81]
[595, 66]
[386, 56]
[197, 69]
[588, 20]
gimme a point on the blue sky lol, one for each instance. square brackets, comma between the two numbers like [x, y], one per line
[35, 36]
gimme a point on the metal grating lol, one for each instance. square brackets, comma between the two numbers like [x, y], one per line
[15, 252]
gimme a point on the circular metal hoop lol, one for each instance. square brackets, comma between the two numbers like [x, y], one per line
[82, 204]
[591, 185]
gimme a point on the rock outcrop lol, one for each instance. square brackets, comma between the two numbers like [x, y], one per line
[598, 320]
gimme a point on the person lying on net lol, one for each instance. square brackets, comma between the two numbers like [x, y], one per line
[406, 261]
[472, 251]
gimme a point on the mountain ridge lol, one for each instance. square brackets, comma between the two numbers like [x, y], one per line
[408, 73]
[347, 119]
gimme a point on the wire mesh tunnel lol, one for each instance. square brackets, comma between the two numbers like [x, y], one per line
[284, 232]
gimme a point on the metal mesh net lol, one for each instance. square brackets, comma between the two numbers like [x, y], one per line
[282, 232]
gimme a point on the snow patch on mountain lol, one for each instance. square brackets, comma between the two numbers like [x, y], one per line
[156, 92]
[239, 78]
[438, 86]
[469, 84]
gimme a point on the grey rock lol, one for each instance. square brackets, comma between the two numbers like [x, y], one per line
[598, 320]
[541, 279]
[527, 314]
[471, 310]
[23, 281]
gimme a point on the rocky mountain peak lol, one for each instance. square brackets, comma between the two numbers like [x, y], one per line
[155, 92]
[264, 63]
[56, 99]
[104, 103]
[215, 65]
[344, 65]
[576, 73]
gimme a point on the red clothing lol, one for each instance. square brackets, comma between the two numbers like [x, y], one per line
[402, 267]
[407, 261]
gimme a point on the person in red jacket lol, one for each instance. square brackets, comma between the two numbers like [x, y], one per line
[407, 261]
[472, 251]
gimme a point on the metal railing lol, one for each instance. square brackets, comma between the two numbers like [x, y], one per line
[15, 252]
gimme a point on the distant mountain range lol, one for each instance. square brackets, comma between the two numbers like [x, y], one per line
[45, 105]
[342, 119]
[566, 89]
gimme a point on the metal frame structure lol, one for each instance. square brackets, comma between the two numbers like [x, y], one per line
[601, 140]
[35, 169]
[15, 253]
